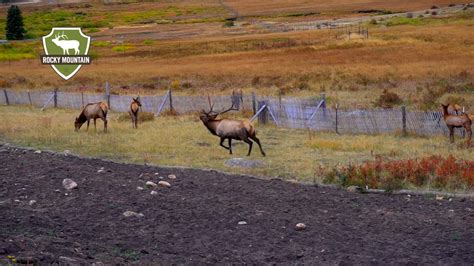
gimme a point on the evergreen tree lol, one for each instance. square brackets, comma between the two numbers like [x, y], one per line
[14, 28]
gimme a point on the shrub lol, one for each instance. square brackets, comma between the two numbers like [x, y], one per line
[435, 171]
[388, 99]
[229, 23]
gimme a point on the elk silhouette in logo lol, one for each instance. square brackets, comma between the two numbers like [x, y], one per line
[66, 45]
[457, 121]
[230, 128]
[134, 108]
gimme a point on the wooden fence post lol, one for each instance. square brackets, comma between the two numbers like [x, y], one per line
[263, 116]
[107, 92]
[171, 101]
[82, 98]
[337, 130]
[29, 97]
[404, 120]
[55, 98]
[254, 103]
[6, 96]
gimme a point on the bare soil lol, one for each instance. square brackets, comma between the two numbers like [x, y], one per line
[196, 219]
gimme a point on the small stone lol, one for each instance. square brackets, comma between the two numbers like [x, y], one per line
[140, 188]
[130, 214]
[38, 151]
[156, 173]
[101, 170]
[67, 152]
[242, 223]
[69, 184]
[150, 184]
[438, 197]
[164, 184]
[32, 202]
[171, 176]
[67, 259]
[17, 200]
[354, 189]
[154, 193]
[300, 226]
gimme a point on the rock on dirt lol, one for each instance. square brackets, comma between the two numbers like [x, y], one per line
[300, 226]
[150, 184]
[172, 176]
[130, 214]
[69, 184]
[154, 193]
[242, 223]
[140, 188]
[32, 202]
[38, 151]
[244, 163]
[354, 189]
[164, 184]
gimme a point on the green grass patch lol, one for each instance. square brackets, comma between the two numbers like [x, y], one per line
[19, 50]
[122, 48]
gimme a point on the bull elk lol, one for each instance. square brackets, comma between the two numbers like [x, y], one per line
[134, 108]
[92, 111]
[230, 129]
[457, 121]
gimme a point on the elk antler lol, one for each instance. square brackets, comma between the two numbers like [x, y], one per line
[63, 36]
[232, 108]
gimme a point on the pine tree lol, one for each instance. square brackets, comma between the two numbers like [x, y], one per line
[14, 28]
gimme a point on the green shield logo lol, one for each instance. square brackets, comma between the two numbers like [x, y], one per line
[66, 51]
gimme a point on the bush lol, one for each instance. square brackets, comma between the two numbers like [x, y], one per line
[229, 23]
[434, 171]
[388, 99]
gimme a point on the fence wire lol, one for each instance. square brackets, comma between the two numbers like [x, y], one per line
[295, 113]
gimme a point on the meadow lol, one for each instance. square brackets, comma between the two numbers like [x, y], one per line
[294, 155]
[426, 61]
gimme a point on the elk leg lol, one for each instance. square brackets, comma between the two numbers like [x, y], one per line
[259, 145]
[105, 124]
[469, 136]
[136, 120]
[95, 126]
[230, 145]
[88, 121]
[250, 143]
[451, 134]
[222, 141]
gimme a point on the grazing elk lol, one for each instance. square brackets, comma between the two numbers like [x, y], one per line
[230, 129]
[92, 111]
[457, 121]
[134, 108]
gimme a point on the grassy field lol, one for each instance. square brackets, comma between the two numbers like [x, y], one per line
[425, 61]
[183, 141]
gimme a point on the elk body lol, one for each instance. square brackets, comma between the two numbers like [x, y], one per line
[134, 108]
[66, 45]
[92, 111]
[457, 121]
[230, 129]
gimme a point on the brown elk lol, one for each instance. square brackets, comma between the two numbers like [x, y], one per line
[92, 111]
[455, 108]
[230, 129]
[457, 121]
[134, 108]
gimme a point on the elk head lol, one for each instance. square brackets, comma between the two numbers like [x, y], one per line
[137, 101]
[77, 124]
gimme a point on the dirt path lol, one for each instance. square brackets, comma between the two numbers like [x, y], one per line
[196, 219]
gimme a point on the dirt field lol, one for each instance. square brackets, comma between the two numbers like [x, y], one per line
[196, 219]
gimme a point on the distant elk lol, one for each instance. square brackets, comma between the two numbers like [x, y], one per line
[134, 108]
[230, 129]
[457, 121]
[92, 111]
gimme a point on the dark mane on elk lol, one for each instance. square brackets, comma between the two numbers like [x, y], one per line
[230, 129]
[92, 111]
[457, 121]
[134, 108]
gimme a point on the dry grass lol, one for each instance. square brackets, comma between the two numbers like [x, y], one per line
[184, 141]
[407, 59]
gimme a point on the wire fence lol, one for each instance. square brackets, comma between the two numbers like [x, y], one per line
[295, 113]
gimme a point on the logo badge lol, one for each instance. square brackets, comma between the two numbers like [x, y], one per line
[66, 51]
